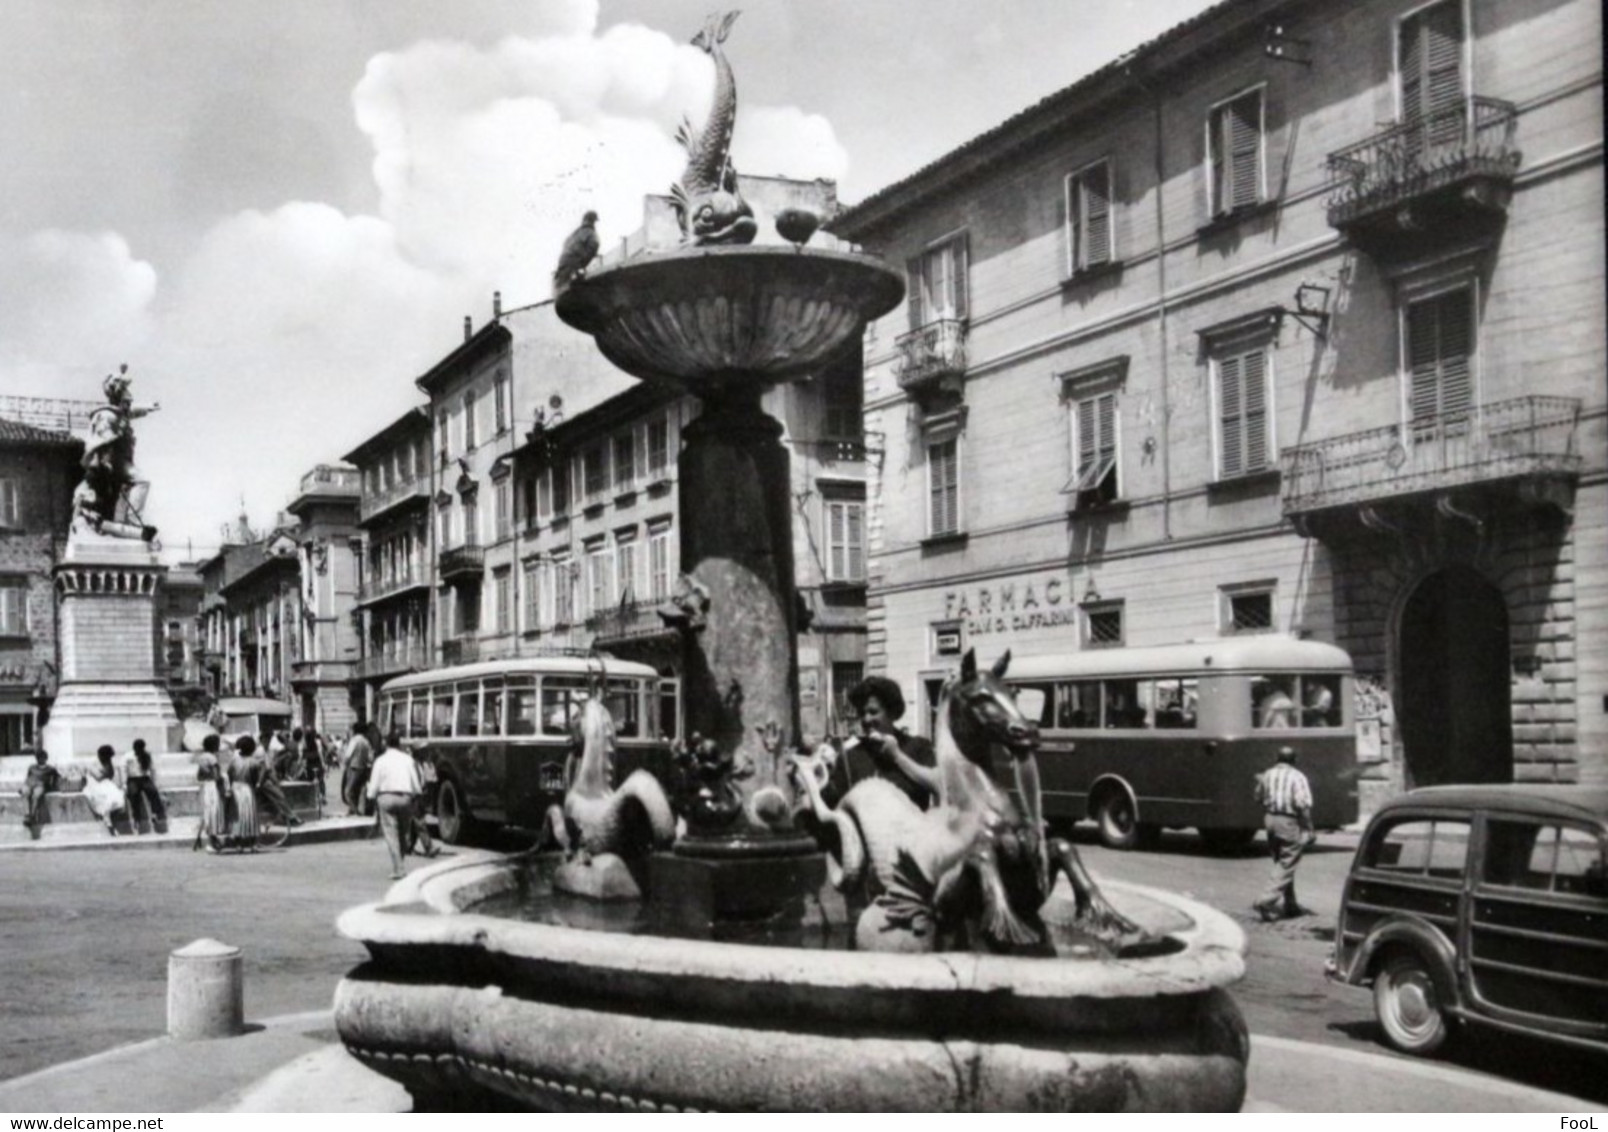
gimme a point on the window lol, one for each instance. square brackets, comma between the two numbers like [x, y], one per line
[1248, 609]
[845, 540]
[521, 705]
[16, 731]
[444, 526]
[841, 393]
[943, 487]
[1088, 215]
[499, 396]
[1421, 846]
[504, 501]
[599, 578]
[1102, 624]
[468, 723]
[559, 486]
[1094, 450]
[1124, 710]
[10, 504]
[533, 596]
[1429, 72]
[1440, 349]
[563, 591]
[469, 437]
[1244, 441]
[491, 707]
[659, 562]
[13, 607]
[1234, 145]
[502, 584]
[527, 499]
[658, 448]
[471, 520]
[595, 472]
[444, 435]
[938, 283]
[845, 675]
[624, 462]
[625, 566]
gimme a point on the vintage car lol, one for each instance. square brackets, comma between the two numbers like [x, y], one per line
[1481, 905]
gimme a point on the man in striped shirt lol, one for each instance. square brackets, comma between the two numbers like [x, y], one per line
[1286, 799]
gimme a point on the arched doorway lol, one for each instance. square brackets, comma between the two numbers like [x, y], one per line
[1456, 712]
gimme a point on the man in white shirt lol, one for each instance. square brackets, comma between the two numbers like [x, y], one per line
[394, 786]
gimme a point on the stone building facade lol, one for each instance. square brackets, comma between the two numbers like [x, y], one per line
[1289, 321]
[39, 467]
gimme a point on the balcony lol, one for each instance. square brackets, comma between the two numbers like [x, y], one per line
[633, 620]
[462, 649]
[377, 505]
[374, 591]
[393, 662]
[462, 563]
[932, 359]
[1521, 451]
[1444, 175]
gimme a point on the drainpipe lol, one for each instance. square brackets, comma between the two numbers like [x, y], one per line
[1161, 326]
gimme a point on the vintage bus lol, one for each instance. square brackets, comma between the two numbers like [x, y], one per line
[1173, 736]
[499, 734]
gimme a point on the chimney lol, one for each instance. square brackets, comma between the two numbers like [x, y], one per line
[468, 329]
[496, 304]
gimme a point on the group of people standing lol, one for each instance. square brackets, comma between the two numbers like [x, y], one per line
[122, 793]
[233, 797]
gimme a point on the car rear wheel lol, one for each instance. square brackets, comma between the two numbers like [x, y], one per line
[1117, 821]
[1408, 1006]
[453, 820]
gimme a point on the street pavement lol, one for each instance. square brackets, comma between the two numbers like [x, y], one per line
[290, 1059]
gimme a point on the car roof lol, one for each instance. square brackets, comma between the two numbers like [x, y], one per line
[1546, 799]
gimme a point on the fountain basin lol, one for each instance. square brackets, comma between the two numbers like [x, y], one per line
[460, 1006]
[710, 319]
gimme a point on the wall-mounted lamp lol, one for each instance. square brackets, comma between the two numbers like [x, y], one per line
[1311, 308]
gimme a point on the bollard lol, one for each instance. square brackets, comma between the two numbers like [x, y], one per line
[206, 991]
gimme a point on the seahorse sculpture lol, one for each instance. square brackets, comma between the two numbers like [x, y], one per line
[706, 200]
[597, 822]
[973, 872]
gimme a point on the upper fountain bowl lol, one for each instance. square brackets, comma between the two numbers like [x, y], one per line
[721, 317]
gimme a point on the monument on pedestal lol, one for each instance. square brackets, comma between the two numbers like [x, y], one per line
[107, 584]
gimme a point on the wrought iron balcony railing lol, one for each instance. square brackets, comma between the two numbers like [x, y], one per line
[1527, 436]
[462, 562]
[929, 355]
[462, 649]
[393, 662]
[372, 589]
[1413, 160]
[377, 503]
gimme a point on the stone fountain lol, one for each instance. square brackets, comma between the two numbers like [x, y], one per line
[672, 1013]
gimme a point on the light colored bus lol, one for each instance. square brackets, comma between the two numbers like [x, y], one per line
[499, 732]
[1173, 736]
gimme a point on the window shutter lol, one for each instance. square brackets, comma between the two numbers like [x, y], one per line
[1088, 435]
[1229, 375]
[958, 267]
[1431, 63]
[913, 293]
[1456, 349]
[1244, 149]
[854, 541]
[1095, 192]
[1108, 424]
[1254, 376]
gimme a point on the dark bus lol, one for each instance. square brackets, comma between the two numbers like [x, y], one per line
[1173, 736]
[498, 732]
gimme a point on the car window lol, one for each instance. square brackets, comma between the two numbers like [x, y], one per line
[1531, 855]
[1436, 848]
[441, 713]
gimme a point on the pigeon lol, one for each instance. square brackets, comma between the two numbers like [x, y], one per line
[579, 250]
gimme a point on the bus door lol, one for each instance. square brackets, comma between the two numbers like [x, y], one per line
[480, 779]
[533, 765]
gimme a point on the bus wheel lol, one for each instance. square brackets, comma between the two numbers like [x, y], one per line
[452, 816]
[1117, 821]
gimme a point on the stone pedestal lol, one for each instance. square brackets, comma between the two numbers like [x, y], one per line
[741, 668]
[107, 589]
[206, 991]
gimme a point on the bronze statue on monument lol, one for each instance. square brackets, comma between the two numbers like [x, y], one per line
[111, 498]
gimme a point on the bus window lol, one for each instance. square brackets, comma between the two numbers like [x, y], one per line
[1320, 700]
[624, 701]
[1035, 701]
[491, 708]
[418, 716]
[468, 709]
[1077, 704]
[441, 714]
[1273, 701]
[387, 715]
[1177, 700]
[522, 706]
[562, 697]
[1123, 709]
[669, 710]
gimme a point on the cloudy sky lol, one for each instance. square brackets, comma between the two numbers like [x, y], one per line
[277, 212]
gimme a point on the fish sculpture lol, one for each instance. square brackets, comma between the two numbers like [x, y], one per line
[707, 203]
